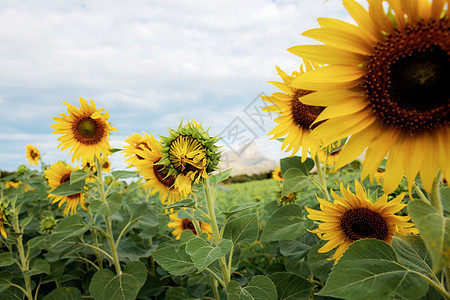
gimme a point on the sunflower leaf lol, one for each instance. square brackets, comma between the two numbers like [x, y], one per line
[67, 293]
[291, 286]
[434, 230]
[294, 180]
[79, 175]
[67, 189]
[242, 229]
[5, 281]
[110, 207]
[286, 223]
[68, 227]
[370, 269]
[238, 208]
[6, 259]
[219, 177]
[124, 174]
[176, 262]
[259, 288]
[295, 162]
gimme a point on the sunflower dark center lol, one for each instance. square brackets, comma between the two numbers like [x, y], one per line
[161, 174]
[408, 77]
[33, 154]
[304, 115]
[64, 178]
[89, 131]
[187, 224]
[361, 223]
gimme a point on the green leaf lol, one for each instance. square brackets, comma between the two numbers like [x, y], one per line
[68, 227]
[110, 207]
[176, 262]
[259, 288]
[407, 249]
[39, 266]
[240, 207]
[25, 222]
[177, 293]
[5, 281]
[182, 203]
[124, 174]
[318, 262]
[369, 269]
[295, 180]
[6, 259]
[66, 293]
[219, 177]
[433, 230]
[67, 189]
[205, 256]
[291, 287]
[445, 196]
[296, 163]
[194, 244]
[285, 224]
[243, 229]
[37, 242]
[105, 285]
[79, 175]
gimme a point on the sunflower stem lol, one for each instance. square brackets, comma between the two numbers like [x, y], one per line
[321, 177]
[213, 283]
[94, 235]
[420, 193]
[109, 232]
[435, 196]
[215, 229]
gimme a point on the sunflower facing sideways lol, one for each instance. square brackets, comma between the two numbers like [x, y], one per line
[295, 117]
[181, 225]
[277, 175]
[385, 84]
[156, 175]
[189, 154]
[56, 175]
[85, 130]
[33, 155]
[352, 217]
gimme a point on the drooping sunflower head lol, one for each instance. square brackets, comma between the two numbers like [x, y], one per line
[155, 174]
[277, 175]
[85, 130]
[56, 175]
[136, 142]
[189, 154]
[296, 118]
[352, 216]
[33, 155]
[385, 84]
[181, 225]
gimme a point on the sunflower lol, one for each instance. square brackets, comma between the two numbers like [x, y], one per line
[189, 153]
[352, 217]
[183, 224]
[295, 118]
[33, 155]
[385, 85]
[85, 131]
[13, 184]
[3, 219]
[56, 175]
[135, 142]
[330, 158]
[286, 199]
[155, 174]
[277, 175]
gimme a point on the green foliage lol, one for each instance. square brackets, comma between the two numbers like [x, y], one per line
[259, 288]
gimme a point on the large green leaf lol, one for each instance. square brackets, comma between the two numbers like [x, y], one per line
[434, 230]
[67, 189]
[111, 206]
[177, 293]
[79, 175]
[219, 177]
[68, 227]
[6, 259]
[203, 254]
[243, 229]
[291, 287]
[124, 174]
[176, 262]
[369, 269]
[39, 266]
[295, 180]
[295, 162]
[319, 263]
[408, 250]
[286, 223]
[66, 293]
[239, 207]
[5, 281]
[259, 288]
[105, 285]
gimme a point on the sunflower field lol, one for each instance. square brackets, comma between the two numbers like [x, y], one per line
[325, 226]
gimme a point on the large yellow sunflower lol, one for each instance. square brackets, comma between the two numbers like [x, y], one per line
[352, 217]
[135, 142]
[385, 84]
[296, 117]
[156, 175]
[56, 175]
[85, 131]
[33, 155]
[181, 225]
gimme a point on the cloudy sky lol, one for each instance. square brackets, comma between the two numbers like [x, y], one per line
[150, 63]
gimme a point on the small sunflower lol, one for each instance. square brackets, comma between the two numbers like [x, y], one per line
[353, 217]
[385, 84]
[33, 155]
[3, 219]
[155, 174]
[85, 131]
[330, 158]
[181, 225]
[286, 199]
[189, 154]
[135, 142]
[276, 174]
[13, 184]
[296, 118]
[56, 175]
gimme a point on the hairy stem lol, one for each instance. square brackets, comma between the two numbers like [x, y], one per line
[435, 196]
